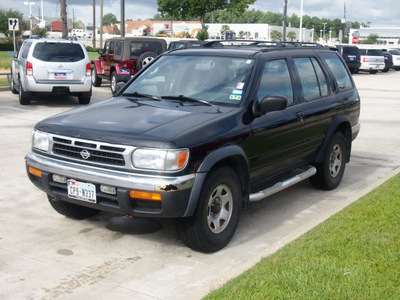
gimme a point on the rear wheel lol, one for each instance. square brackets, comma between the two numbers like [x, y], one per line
[113, 83]
[217, 214]
[96, 80]
[373, 71]
[84, 98]
[330, 171]
[71, 210]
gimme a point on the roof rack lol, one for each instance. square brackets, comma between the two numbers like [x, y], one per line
[256, 43]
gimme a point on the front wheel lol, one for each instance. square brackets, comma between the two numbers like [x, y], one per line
[217, 214]
[330, 171]
[96, 80]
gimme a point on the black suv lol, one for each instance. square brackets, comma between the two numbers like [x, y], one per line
[351, 55]
[199, 134]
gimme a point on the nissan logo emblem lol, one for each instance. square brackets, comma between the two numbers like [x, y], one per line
[85, 154]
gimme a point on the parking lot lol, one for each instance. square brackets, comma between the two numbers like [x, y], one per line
[44, 255]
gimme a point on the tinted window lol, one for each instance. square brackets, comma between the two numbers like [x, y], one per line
[312, 78]
[58, 52]
[373, 52]
[395, 52]
[338, 69]
[118, 49]
[350, 50]
[276, 80]
[137, 48]
[112, 45]
[25, 49]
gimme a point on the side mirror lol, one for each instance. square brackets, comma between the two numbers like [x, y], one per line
[119, 86]
[100, 51]
[272, 103]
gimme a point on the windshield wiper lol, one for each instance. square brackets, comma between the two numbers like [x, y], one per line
[188, 99]
[140, 95]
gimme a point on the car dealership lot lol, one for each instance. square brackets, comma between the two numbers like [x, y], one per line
[45, 255]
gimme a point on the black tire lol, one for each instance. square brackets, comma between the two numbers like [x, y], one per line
[373, 71]
[96, 80]
[71, 210]
[12, 84]
[217, 214]
[385, 70]
[84, 98]
[113, 84]
[396, 68]
[144, 59]
[356, 70]
[24, 97]
[330, 171]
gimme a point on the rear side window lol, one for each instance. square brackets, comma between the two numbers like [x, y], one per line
[137, 48]
[275, 80]
[312, 78]
[25, 49]
[338, 69]
[118, 48]
[58, 52]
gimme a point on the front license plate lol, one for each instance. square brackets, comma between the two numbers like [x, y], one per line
[81, 191]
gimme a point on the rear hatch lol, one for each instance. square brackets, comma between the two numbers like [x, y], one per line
[58, 63]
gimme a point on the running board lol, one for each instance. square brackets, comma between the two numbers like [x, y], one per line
[279, 186]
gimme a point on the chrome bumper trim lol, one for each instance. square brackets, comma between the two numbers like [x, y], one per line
[98, 175]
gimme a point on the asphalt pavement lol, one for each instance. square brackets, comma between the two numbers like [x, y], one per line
[44, 255]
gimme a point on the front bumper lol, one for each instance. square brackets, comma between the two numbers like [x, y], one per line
[175, 190]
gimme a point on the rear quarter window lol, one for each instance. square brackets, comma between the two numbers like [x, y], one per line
[58, 52]
[137, 48]
[338, 69]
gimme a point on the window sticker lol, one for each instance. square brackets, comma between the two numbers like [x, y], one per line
[237, 92]
[240, 85]
[235, 97]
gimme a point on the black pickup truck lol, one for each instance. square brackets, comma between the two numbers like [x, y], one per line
[200, 133]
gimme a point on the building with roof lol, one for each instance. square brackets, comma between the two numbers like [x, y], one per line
[386, 36]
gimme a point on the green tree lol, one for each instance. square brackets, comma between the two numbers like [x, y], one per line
[5, 15]
[109, 19]
[202, 35]
[224, 28]
[275, 34]
[371, 39]
[291, 35]
[42, 32]
[199, 9]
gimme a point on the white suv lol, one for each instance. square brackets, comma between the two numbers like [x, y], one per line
[51, 66]
[372, 60]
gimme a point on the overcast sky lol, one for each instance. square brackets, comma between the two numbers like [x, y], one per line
[381, 13]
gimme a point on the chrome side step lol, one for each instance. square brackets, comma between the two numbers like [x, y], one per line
[279, 186]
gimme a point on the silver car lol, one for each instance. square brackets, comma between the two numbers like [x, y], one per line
[51, 66]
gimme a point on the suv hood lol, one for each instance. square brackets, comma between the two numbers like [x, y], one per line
[133, 122]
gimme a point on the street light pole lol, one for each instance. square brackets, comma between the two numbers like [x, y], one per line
[30, 12]
[324, 28]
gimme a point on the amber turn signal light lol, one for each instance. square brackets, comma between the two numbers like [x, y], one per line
[35, 172]
[145, 195]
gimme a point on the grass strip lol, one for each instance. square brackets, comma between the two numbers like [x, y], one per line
[353, 255]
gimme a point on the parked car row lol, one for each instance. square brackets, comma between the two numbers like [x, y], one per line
[369, 60]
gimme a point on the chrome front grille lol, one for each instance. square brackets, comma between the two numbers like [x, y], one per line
[91, 152]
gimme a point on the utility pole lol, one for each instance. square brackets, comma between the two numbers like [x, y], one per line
[101, 24]
[64, 26]
[284, 20]
[94, 24]
[122, 18]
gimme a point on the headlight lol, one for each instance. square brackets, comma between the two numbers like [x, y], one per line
[162, 160]
[40, 140]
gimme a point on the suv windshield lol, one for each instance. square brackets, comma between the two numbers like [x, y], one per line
[207, 78]
[58, 52]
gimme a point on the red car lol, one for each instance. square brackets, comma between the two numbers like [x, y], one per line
[123, 57]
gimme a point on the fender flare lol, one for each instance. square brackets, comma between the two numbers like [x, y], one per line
[232, 152]
[341, 123]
